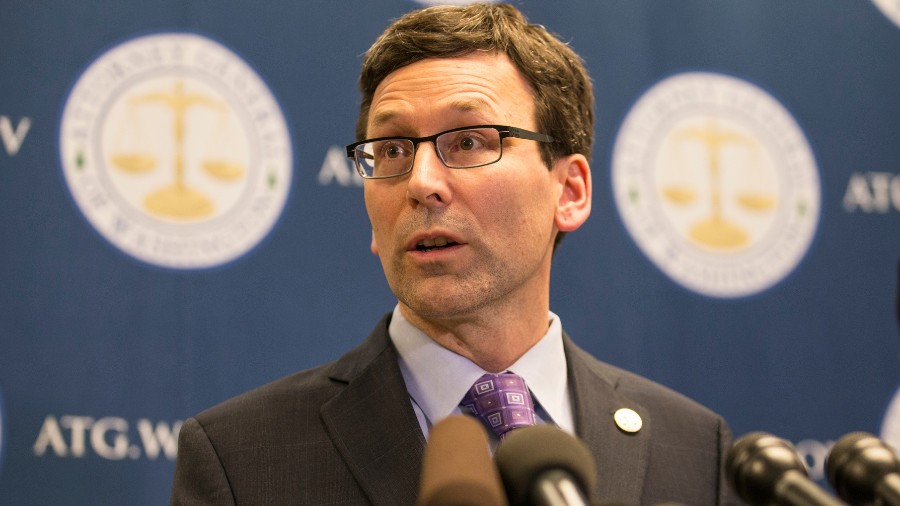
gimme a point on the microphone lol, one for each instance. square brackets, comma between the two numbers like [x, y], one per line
[457, 469]
[543, 465]
[864, 470]
[765, 470]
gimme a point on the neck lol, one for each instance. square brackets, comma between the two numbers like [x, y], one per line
[493, 338]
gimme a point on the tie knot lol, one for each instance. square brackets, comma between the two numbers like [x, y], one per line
[501, 401]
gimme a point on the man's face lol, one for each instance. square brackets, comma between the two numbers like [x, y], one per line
[456, 241]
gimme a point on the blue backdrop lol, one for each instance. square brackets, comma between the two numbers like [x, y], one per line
[179, 223]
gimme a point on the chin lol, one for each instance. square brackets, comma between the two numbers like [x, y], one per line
[446, 297]
[442, 307]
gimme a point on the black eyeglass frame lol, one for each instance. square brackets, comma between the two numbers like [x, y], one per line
[504, 131]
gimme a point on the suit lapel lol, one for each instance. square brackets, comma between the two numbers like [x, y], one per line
[621, 457]
[373, 426]
[372, 423]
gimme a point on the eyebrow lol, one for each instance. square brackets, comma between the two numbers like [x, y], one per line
[382, 117]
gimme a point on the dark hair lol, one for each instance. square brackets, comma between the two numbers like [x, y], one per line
[564, 101]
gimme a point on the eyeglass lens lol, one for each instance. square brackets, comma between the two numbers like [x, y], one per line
[460, 149]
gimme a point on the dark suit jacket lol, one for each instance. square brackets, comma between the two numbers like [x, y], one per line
[345, 433]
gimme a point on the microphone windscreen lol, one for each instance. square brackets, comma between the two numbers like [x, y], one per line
[757, 462]
[858, 461]
[524, 454]
[457, 469]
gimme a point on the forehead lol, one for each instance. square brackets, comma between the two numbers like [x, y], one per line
[483, 87]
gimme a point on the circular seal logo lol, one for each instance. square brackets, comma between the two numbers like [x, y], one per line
[716, 183]
[890, 8]
[175, 151]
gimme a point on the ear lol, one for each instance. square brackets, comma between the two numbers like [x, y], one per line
[574, 207]
[373, 246]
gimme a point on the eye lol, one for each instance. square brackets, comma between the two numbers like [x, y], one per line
[392, 150]
[467, 141]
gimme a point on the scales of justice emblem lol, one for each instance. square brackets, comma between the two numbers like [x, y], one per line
[717, 148]
[177, 199]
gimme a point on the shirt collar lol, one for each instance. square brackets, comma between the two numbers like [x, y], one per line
[437, 379]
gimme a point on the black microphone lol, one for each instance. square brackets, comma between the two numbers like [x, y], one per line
[543, 465]
[864, 470]
[765, 470]
[457, 469]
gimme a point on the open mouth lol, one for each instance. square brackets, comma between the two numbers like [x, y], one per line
[433, 244]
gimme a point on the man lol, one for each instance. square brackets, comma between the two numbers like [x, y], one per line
[476, 129]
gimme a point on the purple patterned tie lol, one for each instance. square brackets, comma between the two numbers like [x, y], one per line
[501, 401]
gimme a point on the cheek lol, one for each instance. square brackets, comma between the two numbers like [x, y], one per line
[384, 210]
[518, 209]
[375, 207]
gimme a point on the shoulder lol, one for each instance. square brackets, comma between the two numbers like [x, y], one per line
[299, 394]
[681, 413]
[277, 399]
[660, 397]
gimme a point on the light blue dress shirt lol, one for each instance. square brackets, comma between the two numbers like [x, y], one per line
[437, 379]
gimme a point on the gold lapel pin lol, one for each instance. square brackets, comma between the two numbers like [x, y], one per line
[628, 420]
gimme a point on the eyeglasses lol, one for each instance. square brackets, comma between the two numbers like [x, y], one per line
[458, 148]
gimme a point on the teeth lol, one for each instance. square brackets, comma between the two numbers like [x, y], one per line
[437, 242]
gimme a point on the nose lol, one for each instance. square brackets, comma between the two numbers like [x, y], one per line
[429, 183]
